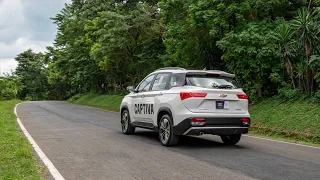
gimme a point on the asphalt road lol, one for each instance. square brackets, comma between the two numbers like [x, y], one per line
[87, 143]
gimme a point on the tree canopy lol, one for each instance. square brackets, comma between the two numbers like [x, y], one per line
[105, 45]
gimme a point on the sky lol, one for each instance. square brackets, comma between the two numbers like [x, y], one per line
[26, 24]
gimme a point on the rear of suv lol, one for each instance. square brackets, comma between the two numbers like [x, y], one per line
[176, 101]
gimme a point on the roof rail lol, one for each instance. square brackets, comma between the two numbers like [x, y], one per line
[171, 68]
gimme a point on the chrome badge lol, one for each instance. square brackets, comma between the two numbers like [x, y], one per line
[222, 95]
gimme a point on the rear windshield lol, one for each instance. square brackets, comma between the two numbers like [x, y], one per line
[212, 82]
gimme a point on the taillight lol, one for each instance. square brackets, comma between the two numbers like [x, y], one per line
[242, 96]
[198, 121]
[186, 95]
[245, 121]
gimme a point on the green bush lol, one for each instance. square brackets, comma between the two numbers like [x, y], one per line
[28, 98]
[75, 97]
[288, 93]
[9, 94]
[316, 96]
[9, 87]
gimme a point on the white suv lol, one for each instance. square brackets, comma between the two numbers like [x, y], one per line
[176, 101]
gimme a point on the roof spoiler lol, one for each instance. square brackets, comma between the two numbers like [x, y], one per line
[171, 68]
[212, 73]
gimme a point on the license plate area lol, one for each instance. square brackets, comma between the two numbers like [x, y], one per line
[222, 104]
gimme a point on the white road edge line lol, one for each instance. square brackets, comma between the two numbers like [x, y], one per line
[282, 142]
[54, 172]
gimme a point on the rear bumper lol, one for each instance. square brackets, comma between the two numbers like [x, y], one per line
[216, 130]
[216, 126]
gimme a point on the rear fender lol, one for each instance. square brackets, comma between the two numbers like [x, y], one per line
[162, 111]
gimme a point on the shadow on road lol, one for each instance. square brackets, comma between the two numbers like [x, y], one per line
[187, 142]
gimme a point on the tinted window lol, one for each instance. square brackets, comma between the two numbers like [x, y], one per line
[161, 81]
[212, 82]
[145, 84]
[177, 79]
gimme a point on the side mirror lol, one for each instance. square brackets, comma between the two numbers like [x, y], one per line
[131, 88]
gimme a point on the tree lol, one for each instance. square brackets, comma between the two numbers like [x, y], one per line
[283, 36]
[307, 27]
[105, 45]
[70, 63]
[99, 40]
[127, 42]
[32, 72]
[250, 54]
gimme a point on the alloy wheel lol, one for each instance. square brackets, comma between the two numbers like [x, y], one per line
[125, 121]
[164, 130]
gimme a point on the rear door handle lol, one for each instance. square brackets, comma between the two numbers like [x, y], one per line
[160, 94]
[142, 96]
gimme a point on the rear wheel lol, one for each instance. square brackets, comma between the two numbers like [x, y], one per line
[166, 135]
[231, 139]
[127, 127]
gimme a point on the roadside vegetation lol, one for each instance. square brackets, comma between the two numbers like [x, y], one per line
[108, 102]
[104, 46]
[17, 160]
[295, 119]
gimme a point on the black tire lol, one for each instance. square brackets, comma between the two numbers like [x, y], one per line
[231, 139]
[166, 135]
[126, 126]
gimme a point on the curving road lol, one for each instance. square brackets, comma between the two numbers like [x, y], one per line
[87, 143]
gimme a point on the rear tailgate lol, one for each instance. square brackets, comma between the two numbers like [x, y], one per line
[216, 101]
[222, 93]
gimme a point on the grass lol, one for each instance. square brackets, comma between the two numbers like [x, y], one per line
[17, 160]
[296, 119]
[281, 138]
[293, 121]
[108, 102]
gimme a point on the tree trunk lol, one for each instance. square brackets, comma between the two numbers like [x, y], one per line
[309, 6]
[115, 85]
[312, 82]
[300, 84]
[308, 74]
[254, 15]
[290, 71]
[259, 91]
[305, 86]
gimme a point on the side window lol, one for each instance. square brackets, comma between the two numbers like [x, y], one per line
[161, 81]
[145, 84]
[177, 80]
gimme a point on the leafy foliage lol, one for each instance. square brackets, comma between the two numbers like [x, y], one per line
[9, 87]
[287, 93]
[250, 54]
[104, 46]
[126, 42]
[33, 75]
[315, 65]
